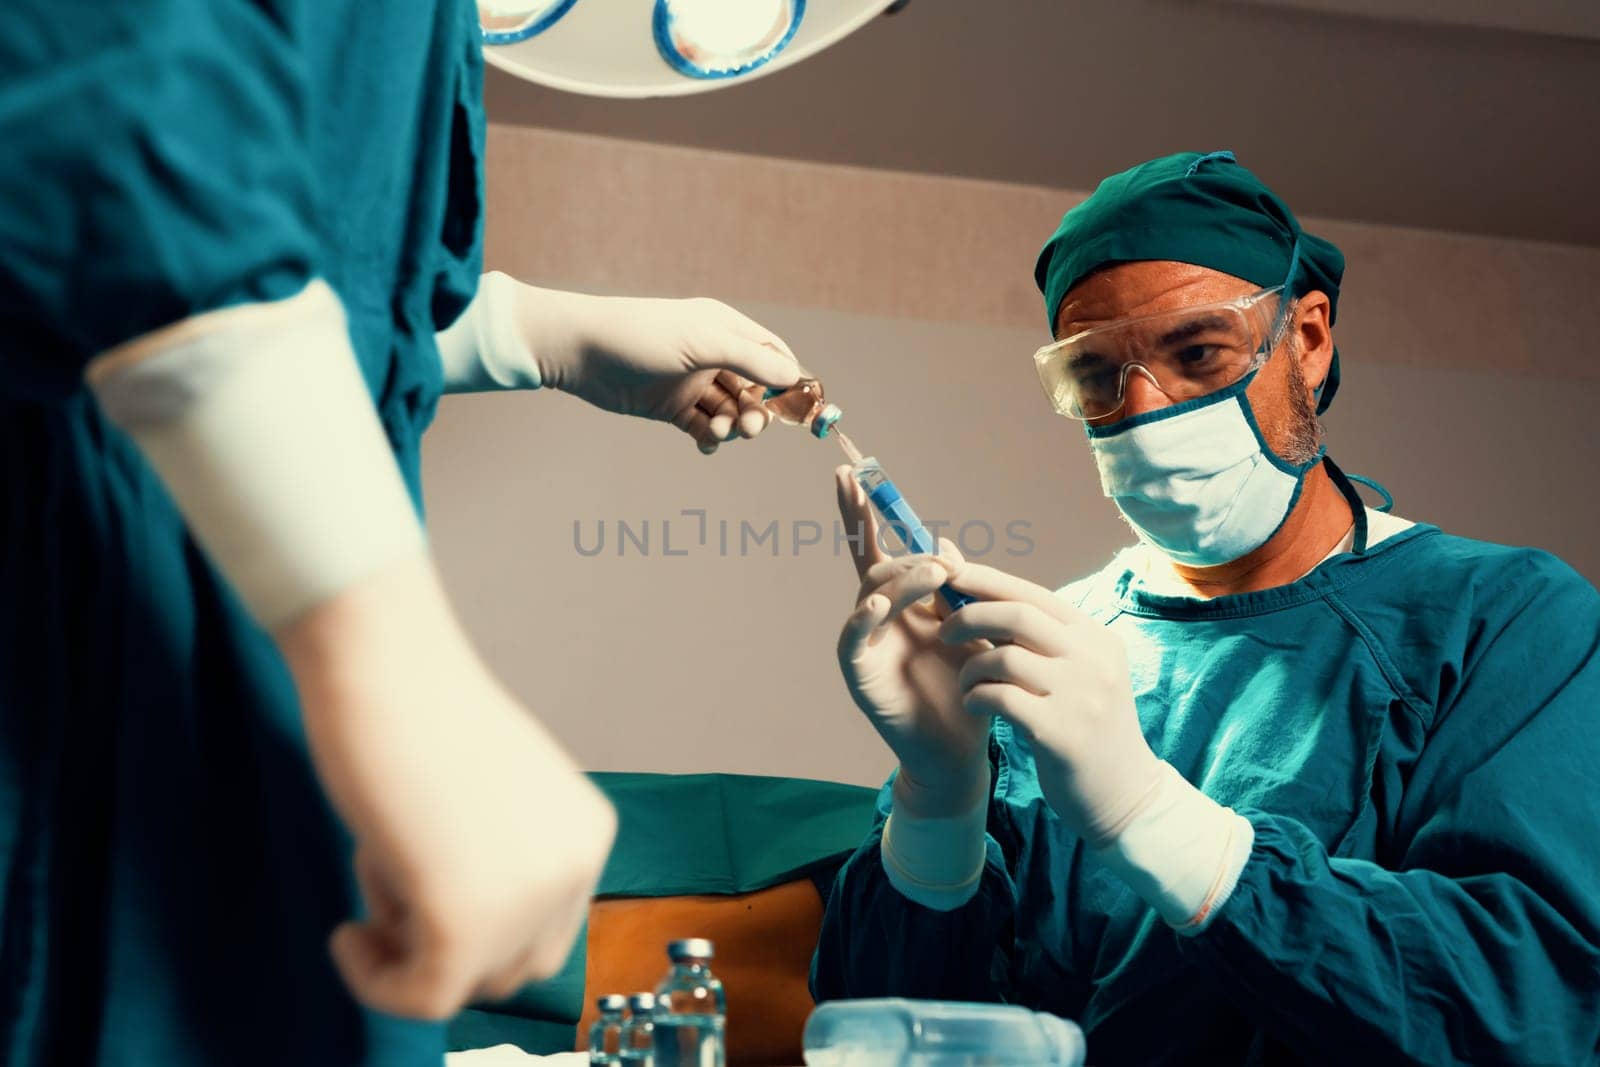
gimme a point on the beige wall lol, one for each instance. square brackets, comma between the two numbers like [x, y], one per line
[1467, 390]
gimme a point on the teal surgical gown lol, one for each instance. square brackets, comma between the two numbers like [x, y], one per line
[169, 869]
[1414, 733]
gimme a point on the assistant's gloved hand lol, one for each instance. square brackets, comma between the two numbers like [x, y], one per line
[478, 842]
[1061, 679]
[697, 364]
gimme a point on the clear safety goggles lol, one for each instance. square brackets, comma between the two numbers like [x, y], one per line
[1186, 353]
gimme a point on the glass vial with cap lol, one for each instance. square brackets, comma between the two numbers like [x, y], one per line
[638, 1031]
[605, 1036]
[691, 1011]
[802, 404]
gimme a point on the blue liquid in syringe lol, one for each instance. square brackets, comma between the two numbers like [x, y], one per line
[894, 510]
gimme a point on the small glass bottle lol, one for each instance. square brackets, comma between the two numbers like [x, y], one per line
[638, 1032]
[605, 1036]
[691, 1011]
[802, 404]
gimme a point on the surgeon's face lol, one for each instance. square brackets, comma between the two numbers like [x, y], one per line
[1282, 395]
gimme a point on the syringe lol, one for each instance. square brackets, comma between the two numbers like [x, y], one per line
[895, 512]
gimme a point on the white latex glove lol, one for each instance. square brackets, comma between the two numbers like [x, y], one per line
[1061, 679]
[697, 364]
[903, 677]
[479, 844]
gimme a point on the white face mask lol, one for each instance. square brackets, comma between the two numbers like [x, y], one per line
[1197, 480]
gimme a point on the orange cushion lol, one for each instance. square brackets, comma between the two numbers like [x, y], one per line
[764, 942]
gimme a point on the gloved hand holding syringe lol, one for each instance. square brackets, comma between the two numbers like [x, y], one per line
[898, 665]
[803, 404]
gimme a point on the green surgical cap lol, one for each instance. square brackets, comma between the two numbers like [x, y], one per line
[1199, 208]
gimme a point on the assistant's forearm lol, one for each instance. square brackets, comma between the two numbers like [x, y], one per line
[259, 424]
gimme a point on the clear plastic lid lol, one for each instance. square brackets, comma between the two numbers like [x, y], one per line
[935, 1033]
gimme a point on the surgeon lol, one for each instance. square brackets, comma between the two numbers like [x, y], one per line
[1290, 779]
[260, 800]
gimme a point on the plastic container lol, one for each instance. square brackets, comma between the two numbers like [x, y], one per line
[937, 1033]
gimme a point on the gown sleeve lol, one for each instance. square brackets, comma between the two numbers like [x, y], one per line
[1483, 944]
[155, 167]
[877, 943]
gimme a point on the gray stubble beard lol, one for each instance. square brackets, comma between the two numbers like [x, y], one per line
[1305, 429]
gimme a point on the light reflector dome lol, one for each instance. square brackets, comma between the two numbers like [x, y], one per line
[510, 21]
[644, 48]
[724, 38]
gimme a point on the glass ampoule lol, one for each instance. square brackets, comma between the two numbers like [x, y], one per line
[803, 404]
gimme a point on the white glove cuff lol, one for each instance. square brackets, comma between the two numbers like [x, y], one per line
[1182, 853]
[487, 349]
[258, 421]
[936, 861]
